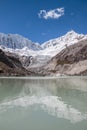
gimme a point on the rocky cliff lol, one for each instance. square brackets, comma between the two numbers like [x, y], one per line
[10, 65]
[70, 61]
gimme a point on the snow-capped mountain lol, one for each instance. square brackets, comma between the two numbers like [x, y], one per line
[16, 41]
[54, 46]
[70, 37]
[42, 59]
[40, 54]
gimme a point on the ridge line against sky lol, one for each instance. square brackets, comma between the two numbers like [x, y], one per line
[43, 20]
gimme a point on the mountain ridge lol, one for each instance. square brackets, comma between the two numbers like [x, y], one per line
[34, 57]
[26, 41]
[25, 46]
[17, 41]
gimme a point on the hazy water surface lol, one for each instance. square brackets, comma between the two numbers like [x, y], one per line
[43, 103]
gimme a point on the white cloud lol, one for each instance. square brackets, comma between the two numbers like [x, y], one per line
[51, 14]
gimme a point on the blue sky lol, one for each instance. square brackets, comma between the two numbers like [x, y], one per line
[41, 20]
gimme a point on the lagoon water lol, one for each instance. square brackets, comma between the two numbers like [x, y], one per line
[43, 103]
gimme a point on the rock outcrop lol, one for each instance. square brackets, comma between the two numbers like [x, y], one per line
[10, 65]
[70, 61]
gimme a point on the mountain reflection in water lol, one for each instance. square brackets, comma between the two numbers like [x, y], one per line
[63, 98]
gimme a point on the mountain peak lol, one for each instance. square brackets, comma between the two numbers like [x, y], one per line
[69, 38]
[72, 32]
[16, 41]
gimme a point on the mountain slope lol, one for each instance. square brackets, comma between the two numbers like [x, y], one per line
[10, 65]
[69, 37]
[16, 41]
[70, 61]
[54, 46]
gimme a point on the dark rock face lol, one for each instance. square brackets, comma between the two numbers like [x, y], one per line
[10, 65]
[26, 60]
[5, 59]
[13, 65]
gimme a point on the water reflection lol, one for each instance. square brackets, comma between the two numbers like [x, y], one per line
[63, 98]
